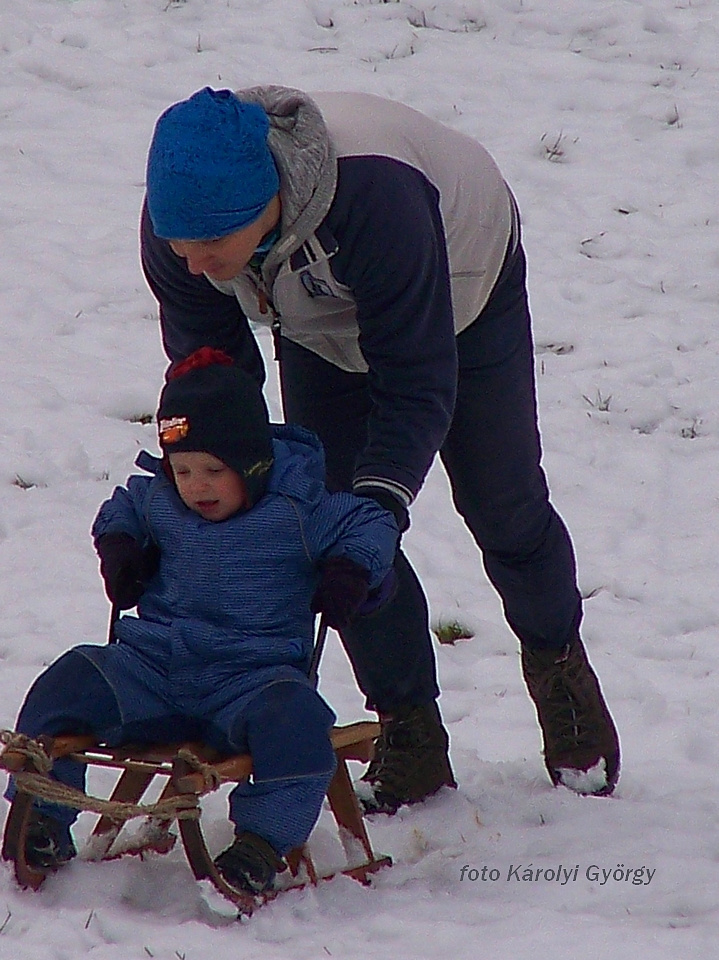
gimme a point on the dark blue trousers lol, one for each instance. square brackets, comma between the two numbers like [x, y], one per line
[492, 455]
[274, 713]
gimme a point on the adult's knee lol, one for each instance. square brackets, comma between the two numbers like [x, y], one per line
[514, 523]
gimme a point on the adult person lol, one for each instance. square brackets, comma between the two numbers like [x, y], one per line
[384, 250]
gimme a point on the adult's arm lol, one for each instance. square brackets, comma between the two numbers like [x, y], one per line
[393, 256]
[193, 313]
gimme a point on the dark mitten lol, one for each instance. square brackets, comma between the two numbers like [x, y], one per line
[125, 567]
[380, 596]
[387, 500]
[342, 590]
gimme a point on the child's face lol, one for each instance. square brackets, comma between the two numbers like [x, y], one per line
[207, 485]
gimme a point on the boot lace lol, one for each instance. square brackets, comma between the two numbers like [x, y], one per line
[556, 684]
[399, 749]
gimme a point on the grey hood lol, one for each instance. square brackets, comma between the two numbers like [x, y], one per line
[306, 160]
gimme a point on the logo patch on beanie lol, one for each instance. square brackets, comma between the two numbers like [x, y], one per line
[174, 429]
[259, 469]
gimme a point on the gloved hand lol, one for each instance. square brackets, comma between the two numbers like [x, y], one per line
[125, 567]
[380, 596]
[342, 590]
[387, 500]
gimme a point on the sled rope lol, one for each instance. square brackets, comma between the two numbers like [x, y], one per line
[27, 747]
[39, 784]
[211, 779]
[172, 808]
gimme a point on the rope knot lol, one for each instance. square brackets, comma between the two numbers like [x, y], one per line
[211, 779]
[33, 750]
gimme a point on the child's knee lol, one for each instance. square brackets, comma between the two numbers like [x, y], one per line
[71, 696]
[288, 731]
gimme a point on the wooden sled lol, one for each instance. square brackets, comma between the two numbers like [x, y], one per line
[190, 780]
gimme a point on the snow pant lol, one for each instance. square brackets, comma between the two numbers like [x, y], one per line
[492, 455]
[273, 713]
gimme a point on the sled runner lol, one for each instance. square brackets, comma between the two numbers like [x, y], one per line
[190, 771]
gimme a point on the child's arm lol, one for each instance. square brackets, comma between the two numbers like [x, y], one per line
[128, 557]
[124, 511]
[359, 529]
[356, 558]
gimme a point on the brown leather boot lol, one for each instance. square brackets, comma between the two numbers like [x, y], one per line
[411, 760]
[581, 745]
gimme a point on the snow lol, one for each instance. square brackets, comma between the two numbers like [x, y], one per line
[603, 118]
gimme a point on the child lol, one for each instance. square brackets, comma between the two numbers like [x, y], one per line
[227, 551]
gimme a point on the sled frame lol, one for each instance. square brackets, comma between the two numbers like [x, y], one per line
[139, 766]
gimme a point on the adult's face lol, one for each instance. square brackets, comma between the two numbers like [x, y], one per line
[225, 257]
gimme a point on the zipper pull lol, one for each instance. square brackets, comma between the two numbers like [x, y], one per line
[262, 301]
[276, 336]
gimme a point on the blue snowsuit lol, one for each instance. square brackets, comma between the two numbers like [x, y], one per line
[220, 646]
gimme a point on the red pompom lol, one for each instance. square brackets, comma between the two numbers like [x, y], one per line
[204, 357]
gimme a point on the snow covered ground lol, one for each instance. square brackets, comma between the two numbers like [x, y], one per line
[603, 117]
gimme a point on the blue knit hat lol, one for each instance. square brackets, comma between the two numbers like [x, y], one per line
[209, 169]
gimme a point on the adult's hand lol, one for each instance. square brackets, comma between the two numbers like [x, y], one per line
[387, 500]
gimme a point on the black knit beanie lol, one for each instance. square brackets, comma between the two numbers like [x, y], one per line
[209, 404]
